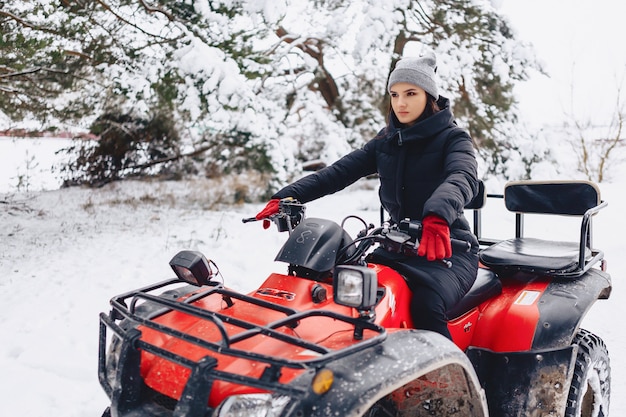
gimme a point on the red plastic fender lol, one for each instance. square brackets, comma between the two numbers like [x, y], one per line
[508, 322]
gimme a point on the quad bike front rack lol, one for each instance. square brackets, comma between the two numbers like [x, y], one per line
[126, 388]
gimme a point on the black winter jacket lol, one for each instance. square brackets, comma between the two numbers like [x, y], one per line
[426, 168]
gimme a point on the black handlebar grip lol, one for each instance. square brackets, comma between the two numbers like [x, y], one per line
[462, 245]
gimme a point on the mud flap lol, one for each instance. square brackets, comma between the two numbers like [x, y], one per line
[525, 383]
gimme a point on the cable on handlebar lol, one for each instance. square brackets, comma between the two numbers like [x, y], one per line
[372, 237]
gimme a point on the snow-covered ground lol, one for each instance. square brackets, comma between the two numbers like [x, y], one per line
[65, 253]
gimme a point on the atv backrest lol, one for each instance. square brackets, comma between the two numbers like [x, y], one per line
[567, 198]
[563, 198]
[554, 197]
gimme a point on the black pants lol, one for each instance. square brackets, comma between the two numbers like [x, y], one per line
[436, 288]
[428, 310]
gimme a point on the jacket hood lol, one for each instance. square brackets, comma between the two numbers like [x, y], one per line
[424, 129]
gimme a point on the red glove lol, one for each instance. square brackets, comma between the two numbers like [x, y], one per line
[435, 243]
[270, 209]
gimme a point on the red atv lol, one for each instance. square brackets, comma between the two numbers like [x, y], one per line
[333, 336]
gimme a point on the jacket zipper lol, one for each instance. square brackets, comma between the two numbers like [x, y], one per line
[399, 138]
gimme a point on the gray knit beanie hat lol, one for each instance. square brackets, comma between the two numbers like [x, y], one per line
[417, 71]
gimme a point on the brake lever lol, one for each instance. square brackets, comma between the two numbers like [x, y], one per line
[290, 213]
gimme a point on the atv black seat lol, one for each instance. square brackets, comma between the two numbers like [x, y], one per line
[548, 257]
[486, 286]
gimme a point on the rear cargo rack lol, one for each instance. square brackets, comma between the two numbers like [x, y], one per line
[125, 316]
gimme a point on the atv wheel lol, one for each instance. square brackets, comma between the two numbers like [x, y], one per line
[383, 408]
[590, 390]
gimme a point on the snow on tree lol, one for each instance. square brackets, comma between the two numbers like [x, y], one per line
[261, 85]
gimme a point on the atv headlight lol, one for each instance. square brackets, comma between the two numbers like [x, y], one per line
[252, 405]
[192, 267]
[355, 286]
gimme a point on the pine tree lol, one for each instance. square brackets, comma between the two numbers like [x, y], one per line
[355, 45]
[257, 85]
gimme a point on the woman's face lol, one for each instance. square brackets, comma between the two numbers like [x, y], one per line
[408, 102]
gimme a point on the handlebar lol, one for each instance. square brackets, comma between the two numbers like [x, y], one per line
[401, 238]
[414, 229]
[290, 214]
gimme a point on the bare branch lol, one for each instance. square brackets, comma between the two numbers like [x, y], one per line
[27, 24]
[324, 81]
[172, 158]
[151, 9]
[126, 21]
[20, 73]
[19, 20]
[77, 53]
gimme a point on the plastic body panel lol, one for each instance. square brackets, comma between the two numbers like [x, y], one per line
[538, 313]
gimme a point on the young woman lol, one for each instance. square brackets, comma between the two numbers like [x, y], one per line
[428, 172]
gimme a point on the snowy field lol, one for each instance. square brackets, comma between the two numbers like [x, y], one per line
[65, 253]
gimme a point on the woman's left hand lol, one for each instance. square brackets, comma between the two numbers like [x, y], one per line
[435, 243]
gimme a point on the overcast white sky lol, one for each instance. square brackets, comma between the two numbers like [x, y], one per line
[581, 46]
